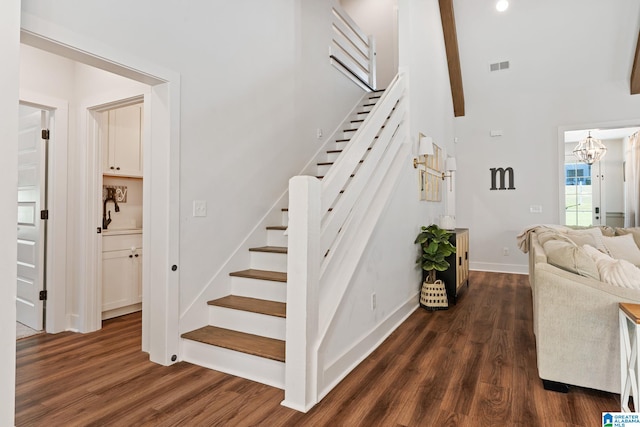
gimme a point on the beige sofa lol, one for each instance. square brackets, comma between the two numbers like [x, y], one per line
[575, 320]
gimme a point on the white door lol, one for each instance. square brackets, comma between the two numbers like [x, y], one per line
[31, 230]
[583, 193]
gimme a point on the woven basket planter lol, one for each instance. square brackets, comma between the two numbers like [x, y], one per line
[433, 296]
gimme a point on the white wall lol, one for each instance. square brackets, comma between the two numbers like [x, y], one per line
[9, 72]
[570, 65]
[379, 19]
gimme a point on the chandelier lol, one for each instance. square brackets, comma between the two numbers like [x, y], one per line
[590, 150]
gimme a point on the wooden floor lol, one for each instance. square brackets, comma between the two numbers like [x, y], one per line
[472, 365]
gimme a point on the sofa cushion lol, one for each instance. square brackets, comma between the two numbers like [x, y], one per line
[588, 236]
[623, 247]
[568, 256]
[617, 272]
[634, 231]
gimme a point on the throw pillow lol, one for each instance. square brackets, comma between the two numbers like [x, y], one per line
[617, 272]
[634, 231]
[588, 236]
[623, 247]
[569, 257]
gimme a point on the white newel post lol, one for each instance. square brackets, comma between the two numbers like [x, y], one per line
[303, 270]
[372, 62]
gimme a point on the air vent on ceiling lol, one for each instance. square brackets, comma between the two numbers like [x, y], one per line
[499, 66]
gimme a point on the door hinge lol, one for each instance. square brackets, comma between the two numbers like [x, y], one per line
[44, 214]
[45, 134]
[43, 295]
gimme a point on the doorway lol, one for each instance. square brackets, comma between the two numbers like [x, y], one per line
[160, 330]
[119, 147]
[593, 194]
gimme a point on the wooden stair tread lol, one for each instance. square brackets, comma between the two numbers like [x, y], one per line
[253, 305]
[270, 249]
[330, 163]
[274, 276]
[340, 151]
[277, 227]
[239, 341]
[321, 177]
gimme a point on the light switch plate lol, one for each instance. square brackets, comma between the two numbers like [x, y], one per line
[199, 208]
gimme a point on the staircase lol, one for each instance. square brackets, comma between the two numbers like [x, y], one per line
[246, 332]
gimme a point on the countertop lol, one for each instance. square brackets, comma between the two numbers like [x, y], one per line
[120, 231]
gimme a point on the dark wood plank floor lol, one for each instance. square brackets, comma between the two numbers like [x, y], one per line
[472, 365]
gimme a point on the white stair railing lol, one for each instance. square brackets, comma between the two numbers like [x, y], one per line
[324, 241]
[352, 51]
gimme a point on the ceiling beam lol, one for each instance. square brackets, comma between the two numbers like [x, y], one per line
[453, 57]
[635, 72]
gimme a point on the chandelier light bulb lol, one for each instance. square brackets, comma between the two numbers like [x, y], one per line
[502, 5]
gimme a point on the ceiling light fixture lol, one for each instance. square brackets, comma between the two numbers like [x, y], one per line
[502, 5]
[590, 150]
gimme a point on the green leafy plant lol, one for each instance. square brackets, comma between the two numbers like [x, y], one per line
[436, 247]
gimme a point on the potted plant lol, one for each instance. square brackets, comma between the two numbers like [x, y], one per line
[436, 247]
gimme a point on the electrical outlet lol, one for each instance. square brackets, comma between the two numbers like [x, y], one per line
[199, 208]
[505, 251]
[374, 302]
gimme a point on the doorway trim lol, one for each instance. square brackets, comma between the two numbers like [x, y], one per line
[56, 249]
[561, 156]
[160, 322]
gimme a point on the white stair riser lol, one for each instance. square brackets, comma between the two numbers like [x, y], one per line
[337, 145]
[254, 368]
[276, 238]
[269, 261]
[332, 157]
[261, 289]
[348, 134]
[285, 218]
[247, 322]
[323, 169]
[351, 125]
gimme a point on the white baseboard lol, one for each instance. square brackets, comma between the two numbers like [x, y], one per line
[343, 365]
[499, 268]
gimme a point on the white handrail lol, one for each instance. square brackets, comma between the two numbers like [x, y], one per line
[316, 234]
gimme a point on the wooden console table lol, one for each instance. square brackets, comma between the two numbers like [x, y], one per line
[457, 275]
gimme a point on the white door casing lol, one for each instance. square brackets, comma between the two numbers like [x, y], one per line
[161, 188]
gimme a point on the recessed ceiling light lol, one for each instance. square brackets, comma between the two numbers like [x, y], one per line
[502, 5]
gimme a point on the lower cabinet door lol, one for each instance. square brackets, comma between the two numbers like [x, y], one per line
[121, 278]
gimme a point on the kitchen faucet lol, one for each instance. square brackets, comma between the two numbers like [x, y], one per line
[110, 197]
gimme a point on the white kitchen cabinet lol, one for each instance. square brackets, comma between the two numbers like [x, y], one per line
[122, 146]
[121, 274]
